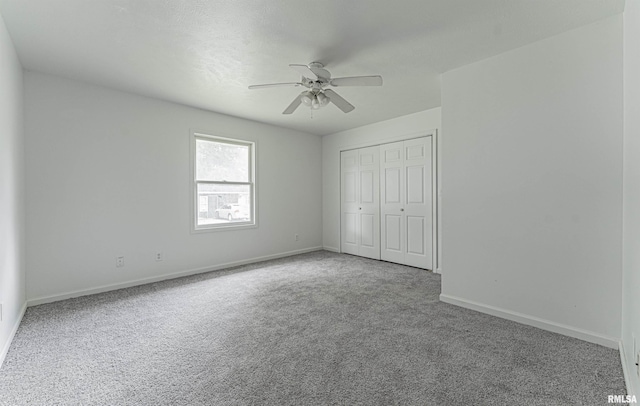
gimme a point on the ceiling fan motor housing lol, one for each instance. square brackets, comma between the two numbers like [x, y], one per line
[322, 74]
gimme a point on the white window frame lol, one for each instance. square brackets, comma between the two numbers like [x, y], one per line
[253, 222]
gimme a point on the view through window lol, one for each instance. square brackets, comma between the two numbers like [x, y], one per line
[224, 182]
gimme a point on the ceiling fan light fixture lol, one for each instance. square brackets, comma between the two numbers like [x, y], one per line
[315, 104]
[323, 99]
[307, 98]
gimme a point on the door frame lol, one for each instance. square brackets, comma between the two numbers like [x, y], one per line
[435, 186]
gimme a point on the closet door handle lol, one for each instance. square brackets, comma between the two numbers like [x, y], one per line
[359, 208]
[401, 209]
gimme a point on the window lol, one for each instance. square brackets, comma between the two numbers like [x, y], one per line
[224, 182]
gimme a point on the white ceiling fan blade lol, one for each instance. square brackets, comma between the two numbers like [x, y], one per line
[336, 99]
[375, 80]
[292, 84]
[304, 70]
[294, 105]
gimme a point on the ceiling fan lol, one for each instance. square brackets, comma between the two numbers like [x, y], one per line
[315, 78]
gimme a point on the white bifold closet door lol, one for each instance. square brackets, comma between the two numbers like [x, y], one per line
[360, 202]
[406, 202]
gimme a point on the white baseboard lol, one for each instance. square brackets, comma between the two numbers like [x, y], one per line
[5, 349]
[625, 370]
[580, 334]
[152, 279]
[332, 249]
[628, 374]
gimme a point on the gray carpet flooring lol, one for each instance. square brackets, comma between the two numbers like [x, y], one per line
[314, 329]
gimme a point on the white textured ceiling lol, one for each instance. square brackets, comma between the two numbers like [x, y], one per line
[204, 53]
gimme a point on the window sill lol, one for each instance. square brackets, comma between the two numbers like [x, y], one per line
[229, 227]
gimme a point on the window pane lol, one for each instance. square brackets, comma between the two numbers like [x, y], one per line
[219, 161]
[223, 204]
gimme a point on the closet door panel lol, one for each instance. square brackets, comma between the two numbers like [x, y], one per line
[369, 205]
[415, 235]
[360, 202]
[392, 225]
[351, 232]
[393, 234]
[349, 221]
[367, 187]
[367, 230]
[415, 185]
[418, 213]
[349, 189]
[391, 193]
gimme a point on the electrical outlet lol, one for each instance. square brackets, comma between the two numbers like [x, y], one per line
[296, 237]
[159, 256]
[119, 262]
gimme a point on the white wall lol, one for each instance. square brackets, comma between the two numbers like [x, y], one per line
[631, 197]
[12, 269]
[532, 185]
[108, 175]
[385, 131]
